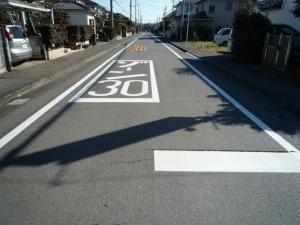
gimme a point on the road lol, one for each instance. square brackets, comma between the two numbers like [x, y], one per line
[149, 135]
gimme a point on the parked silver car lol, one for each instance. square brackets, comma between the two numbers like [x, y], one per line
[18, 41]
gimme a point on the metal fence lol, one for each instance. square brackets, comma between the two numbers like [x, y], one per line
[277, 51]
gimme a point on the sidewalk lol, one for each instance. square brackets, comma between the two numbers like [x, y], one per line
[279, 89]
[24, 79]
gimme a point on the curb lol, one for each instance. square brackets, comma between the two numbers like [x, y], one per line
[46, 80]
[283, 101]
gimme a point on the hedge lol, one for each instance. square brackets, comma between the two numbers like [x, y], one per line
[79, 33]
[249, 31]
[53, 34]
[56, 35]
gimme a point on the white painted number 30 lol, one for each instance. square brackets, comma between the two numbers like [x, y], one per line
[114, 88]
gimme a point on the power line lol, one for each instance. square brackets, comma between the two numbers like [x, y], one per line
[121, 7]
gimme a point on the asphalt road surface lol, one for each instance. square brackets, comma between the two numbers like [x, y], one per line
[149, 135]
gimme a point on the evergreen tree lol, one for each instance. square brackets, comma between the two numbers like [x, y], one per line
[296, 11]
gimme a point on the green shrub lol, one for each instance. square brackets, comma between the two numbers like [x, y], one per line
[73, 33]
[111, 32]
[86, 32]
[79, 33]
[53, 34]
[249, 31]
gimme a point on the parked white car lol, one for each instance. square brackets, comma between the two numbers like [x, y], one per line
[18, 41]
[222, 37]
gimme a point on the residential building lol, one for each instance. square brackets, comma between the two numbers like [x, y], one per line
[78, 12]
[214, 13]
[280, 12]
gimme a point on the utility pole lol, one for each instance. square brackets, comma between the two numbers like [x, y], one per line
[139, 14]
[130, 5]
[135, 5]
[111, 14]
[188, 26]
[182, 19]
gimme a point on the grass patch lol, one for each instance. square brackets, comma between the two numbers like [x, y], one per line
[211, 47]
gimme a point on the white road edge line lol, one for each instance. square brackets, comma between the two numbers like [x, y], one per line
[280, 140]
[24, 125]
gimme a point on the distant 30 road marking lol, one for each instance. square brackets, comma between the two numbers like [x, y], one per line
[139, 48]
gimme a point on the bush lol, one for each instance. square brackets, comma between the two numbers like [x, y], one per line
[53, 34]
[79, 33]
[86, 32]
[111, 32]
[249, 31]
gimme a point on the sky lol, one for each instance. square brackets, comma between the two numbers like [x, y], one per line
[151, 10]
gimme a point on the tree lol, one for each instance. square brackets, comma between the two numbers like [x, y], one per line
[249, 31]
[296, 11]
[248, 6]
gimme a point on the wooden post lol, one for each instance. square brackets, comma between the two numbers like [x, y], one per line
[265, 49]
[278, 49]
[288, 51]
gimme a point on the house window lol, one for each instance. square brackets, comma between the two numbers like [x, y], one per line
[211, 9]
[228, 6]
[91, 22]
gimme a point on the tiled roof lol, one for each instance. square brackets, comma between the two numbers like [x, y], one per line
[189, 2]
[69, 6]
[269, 4]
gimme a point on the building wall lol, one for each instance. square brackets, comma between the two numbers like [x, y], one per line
[78, 18]
[284, 15]
[2, 59]
[223, 15]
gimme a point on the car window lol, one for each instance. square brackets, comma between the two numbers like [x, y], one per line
[226, 32]
[18, 32]
[220, 32]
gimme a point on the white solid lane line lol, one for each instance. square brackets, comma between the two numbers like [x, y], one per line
[20, 128]
[226, 162]
[280, 140]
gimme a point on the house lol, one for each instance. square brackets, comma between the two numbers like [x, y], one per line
[280, 12]
[100, 11]
[212, 13]
[78, 13]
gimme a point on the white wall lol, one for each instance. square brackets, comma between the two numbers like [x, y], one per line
[222, 17]
[78, 18]
[284, 15]
[2, 59]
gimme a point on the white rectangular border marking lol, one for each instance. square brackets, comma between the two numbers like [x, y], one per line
[24, 125]
[280, 140]
[154, 99]
[227, 162]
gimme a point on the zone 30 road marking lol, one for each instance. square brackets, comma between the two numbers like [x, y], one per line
[118, 87]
